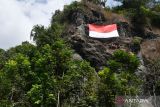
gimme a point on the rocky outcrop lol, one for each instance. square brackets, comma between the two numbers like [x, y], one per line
[96, 51]
[151, 49]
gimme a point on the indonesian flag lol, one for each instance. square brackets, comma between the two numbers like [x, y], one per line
[105, 31]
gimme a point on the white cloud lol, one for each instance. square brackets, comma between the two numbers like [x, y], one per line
[17, 17]
[13, 24]
[112, 3]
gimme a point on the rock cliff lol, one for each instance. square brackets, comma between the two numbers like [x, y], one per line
[97, 51]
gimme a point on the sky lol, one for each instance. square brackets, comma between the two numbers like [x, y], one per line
[17, 18]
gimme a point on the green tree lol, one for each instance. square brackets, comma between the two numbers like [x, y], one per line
[5, 88]
[42, 35]
[18, 70]
[80, 84]
[2, 58]
[119, 78]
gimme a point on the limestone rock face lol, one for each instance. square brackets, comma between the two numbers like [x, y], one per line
[96, 51]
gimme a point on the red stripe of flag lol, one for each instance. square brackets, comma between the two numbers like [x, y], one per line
[102, 29]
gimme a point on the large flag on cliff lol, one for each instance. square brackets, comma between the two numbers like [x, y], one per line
[105, 31]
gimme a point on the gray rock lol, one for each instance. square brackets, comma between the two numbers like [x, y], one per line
[77, 57]
[96, 51]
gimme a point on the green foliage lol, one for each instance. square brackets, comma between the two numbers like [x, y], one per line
[42, 35]
[139, 10]
[36, 76]
[2, 58]
[45, 74]
[65, 16]
[73, 6]
[63, 55]
[80, 81]
[136, 44]
[69, 9]
[152, 14]
[119, 77]
[125, 61]
[5, 87]
[35, 94]
[137, 40]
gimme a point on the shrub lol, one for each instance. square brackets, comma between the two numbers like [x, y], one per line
[124, 82]
[69, 9]
[137, 40]
[136, 44]
[128, 61]
[152, 14]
